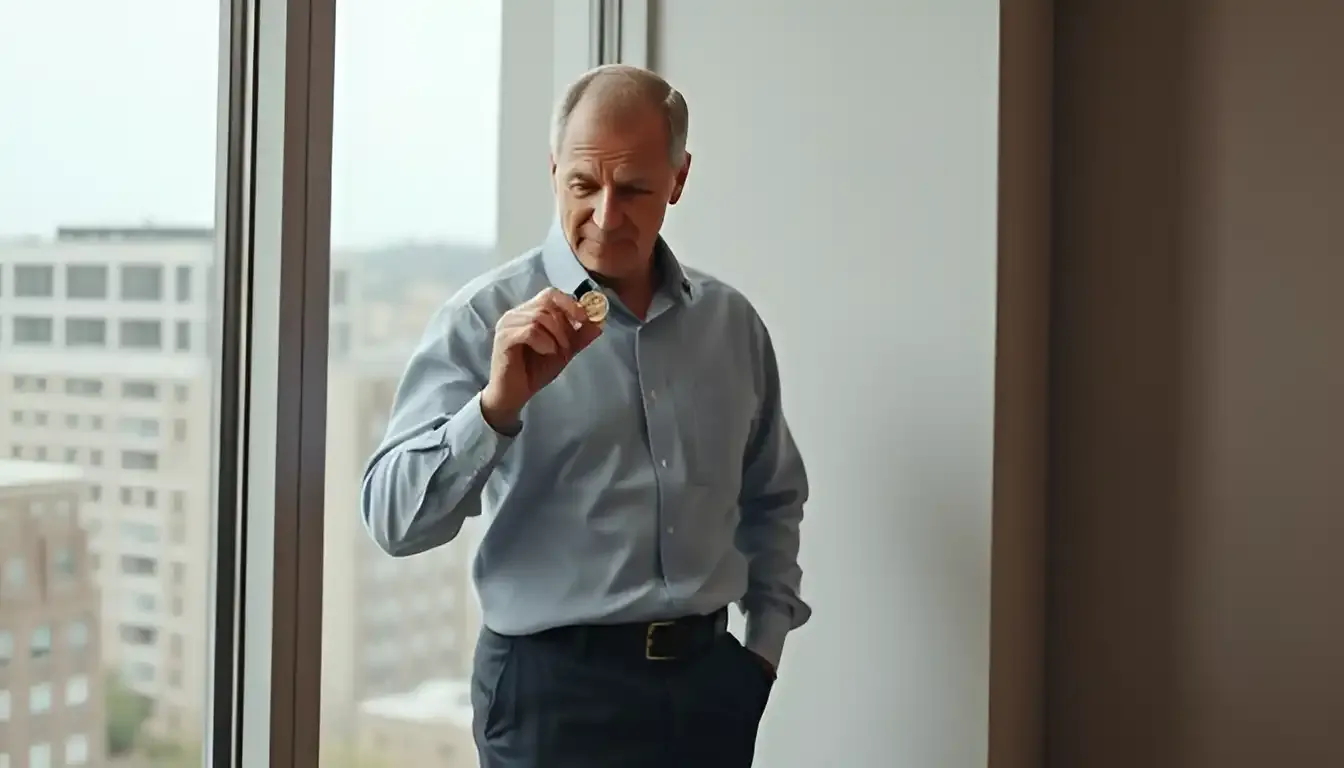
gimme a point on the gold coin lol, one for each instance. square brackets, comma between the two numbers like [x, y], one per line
[594, 304]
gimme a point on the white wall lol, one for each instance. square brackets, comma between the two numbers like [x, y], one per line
[844, 177]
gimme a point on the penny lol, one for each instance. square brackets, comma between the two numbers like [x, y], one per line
[594, 304]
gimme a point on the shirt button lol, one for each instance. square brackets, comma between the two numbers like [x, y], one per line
[670, 529]
[664, 463]
[653, 394]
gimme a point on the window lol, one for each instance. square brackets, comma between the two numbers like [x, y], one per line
[86, 281]
[139, 460]
[34, 281]
[30, 384]
[139, 390]
[77, 750]
[76, 691]
[142, 282]
[32, 331]
[138, 426]
[374, 276]
[141, 334]
[183, 336]
[39, 646]
[85, 332]
[63, 562]
[183, 284]
[39, 698]
[137, 635]
[142, 672]
[78, 635]
[132, 565]
[139, 533]
[134, 285]
[84, 387]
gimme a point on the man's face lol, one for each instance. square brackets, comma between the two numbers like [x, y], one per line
[613, 182]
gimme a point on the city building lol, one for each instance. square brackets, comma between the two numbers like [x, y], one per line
[51, 685]
[388, 624]
[106, 364]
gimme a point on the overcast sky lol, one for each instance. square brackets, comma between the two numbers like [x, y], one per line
[108, 116]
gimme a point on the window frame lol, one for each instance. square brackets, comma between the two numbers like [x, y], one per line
[273, 211]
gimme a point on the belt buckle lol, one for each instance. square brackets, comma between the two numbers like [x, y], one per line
[649, 636]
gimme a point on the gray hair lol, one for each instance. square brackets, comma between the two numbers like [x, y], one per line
[627, 80]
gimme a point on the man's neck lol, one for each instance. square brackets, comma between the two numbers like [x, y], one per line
[636, 292]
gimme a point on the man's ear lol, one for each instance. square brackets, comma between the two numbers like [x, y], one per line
[681, 180]
[552, 158]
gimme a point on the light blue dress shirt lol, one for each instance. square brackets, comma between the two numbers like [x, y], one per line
[654, 478]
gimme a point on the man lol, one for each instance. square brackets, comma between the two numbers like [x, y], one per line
[635, 469]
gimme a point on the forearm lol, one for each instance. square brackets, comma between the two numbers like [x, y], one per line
[769, 539]
[418, 490]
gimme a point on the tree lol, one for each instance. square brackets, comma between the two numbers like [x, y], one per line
[170, 754]
[127, 712]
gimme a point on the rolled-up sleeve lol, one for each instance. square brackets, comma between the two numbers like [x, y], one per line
[426, 477]
[774, 489]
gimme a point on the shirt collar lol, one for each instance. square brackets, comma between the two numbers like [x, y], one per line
[566, 273]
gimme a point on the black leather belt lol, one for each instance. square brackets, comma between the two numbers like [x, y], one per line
[652, 641]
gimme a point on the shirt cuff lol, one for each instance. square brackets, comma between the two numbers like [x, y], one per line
[471, 435]
[468, 436]
[765, 634]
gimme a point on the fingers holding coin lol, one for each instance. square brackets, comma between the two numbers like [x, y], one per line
[557, 324]
[556, 331]
[563, 304]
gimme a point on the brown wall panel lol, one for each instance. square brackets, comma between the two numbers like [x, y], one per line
[1195, 615]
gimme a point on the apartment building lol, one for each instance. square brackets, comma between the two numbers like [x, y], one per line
[106, 364]
[51, 686]
[389, 624]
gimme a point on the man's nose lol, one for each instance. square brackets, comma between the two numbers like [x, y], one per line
[607, 214]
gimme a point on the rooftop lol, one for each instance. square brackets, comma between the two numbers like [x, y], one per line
[146, 232]
[36, 475]
[433, 701]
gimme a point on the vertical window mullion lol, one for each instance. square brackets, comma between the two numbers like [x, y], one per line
[286, 414]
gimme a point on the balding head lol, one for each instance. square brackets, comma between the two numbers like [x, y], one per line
[612, 90]
[618, 159]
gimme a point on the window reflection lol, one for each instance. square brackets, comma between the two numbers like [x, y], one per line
[108, 145]
[413, 219]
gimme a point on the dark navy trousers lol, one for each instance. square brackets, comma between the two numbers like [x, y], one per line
[539, 704]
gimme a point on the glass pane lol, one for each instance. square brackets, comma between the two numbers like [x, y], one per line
[108, 145]
[413, 219]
